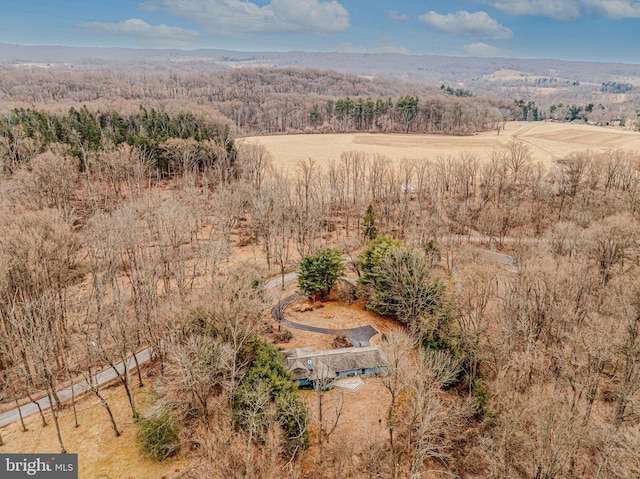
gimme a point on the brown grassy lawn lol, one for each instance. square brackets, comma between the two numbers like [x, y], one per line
[548, 142]
[101, 455]
[362, 422]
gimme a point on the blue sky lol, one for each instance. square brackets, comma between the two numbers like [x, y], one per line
[589, 30]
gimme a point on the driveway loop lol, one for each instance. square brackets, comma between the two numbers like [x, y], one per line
[359, 337]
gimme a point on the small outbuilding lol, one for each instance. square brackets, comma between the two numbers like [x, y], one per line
[320, 368]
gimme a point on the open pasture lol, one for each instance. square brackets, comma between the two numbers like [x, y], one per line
[547, 141]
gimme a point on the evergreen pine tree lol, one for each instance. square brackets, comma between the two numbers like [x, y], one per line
[370, 231]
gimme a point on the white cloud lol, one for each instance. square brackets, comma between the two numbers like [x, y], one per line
[569, 9]
[557, 9]
[614, 9]
[146, 33]
[235, 17]
[382, 46]
[477, 24]
[397, 16]
[483, 50]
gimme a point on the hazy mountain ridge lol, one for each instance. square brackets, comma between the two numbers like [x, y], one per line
[413, 68]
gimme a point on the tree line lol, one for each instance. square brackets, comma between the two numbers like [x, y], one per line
[82, 133]
[260, 101]
[407, 114]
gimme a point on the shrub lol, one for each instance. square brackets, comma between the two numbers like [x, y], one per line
[341, 341]
[267, 372]
[482, 397]
[157, 435]
[283, 336]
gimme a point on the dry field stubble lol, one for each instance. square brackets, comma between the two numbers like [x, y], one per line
[548, 142]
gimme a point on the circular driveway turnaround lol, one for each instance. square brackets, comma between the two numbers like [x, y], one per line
[359, 337]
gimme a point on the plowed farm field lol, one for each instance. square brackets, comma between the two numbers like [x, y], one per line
[547, 141]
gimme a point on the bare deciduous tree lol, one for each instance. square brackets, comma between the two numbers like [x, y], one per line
[197, 369]
[399, 347]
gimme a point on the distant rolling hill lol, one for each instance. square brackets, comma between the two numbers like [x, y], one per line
[420, 69]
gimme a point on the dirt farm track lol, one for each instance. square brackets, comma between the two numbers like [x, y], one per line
[548, 142]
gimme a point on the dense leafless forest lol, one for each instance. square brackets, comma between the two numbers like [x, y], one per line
[267, 101]
[123, 227]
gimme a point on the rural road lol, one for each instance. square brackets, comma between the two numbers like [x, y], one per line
[77, 389]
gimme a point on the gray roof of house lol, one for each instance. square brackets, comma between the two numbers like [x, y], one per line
[328, 363]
